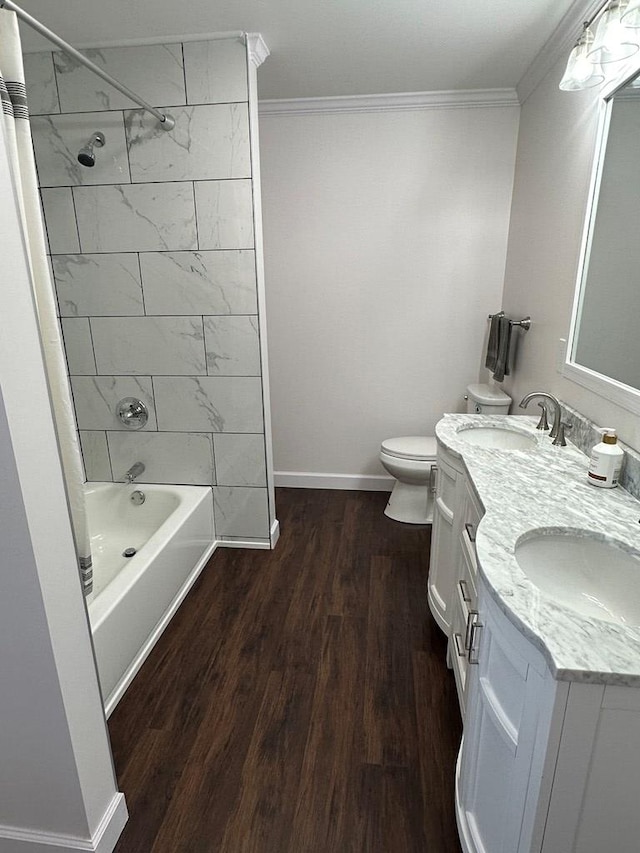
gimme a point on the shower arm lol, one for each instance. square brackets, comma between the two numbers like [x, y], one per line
[166, 122]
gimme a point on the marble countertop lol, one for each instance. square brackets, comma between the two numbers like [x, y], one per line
[546, 487]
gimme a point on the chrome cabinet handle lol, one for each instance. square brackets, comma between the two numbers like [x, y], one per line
[433, 480]
[471, 531]
[476, 626]
[457, 638]
[470, 623]
[463, 591]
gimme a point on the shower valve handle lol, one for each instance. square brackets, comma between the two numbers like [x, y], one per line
[133, 413]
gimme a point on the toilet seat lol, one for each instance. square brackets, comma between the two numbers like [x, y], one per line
[416, 447]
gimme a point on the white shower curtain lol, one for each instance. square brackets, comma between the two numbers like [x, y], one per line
[18, 134]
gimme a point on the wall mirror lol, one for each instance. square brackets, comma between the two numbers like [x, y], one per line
[603, 351]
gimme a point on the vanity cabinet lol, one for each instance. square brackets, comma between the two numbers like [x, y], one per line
[550, 756]
[443, 561]
[545, 766]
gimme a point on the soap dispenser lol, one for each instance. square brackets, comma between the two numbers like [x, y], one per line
[606, 461]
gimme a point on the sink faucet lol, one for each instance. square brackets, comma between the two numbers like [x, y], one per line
[559, 426]
[136, 469]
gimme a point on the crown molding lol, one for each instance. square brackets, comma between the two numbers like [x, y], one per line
[558, 45]
[258, 50]
[392, 102]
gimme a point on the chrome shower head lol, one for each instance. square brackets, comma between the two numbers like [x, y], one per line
[86, 157]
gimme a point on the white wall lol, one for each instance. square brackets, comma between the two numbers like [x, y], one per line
[56, 776]
[553, 169]
[385, 243]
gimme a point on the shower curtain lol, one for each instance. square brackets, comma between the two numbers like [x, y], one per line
[15, 116]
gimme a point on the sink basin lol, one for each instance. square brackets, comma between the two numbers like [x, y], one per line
[595, 578]
[498, 438]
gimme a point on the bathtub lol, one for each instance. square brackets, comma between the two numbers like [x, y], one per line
[134, 598]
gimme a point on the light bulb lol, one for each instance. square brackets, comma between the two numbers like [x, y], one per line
[581, 73]
[613, 42]
[631, 15]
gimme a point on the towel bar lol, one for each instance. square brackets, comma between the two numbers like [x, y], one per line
[525, 323]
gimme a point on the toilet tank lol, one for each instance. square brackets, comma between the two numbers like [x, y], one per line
[487, 400]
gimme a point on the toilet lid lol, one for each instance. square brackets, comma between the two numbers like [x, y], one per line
[411, 447]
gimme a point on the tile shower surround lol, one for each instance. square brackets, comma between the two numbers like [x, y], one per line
[152, 252]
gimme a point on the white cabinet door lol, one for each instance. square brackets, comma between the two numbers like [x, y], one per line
[443, 560]
[508, 714]
[441, 572]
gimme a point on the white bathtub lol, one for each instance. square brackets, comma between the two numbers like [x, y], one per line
[134, 598]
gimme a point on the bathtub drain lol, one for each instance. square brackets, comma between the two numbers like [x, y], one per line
[129, 552]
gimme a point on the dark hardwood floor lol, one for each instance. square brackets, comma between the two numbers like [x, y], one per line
[299, 700]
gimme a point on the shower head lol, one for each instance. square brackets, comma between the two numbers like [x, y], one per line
[86, 157]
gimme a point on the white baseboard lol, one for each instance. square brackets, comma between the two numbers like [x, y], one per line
[354, 482]
[256, 544]
[275, 533]
[13, 840]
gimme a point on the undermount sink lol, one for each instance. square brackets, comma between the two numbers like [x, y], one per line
[498, 438]
[595, 578]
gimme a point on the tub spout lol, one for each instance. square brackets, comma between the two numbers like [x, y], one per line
[136, 469]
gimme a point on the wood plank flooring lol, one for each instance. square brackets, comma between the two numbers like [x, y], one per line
[299, 700]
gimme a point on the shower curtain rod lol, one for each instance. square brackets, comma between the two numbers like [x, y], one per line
[166, 122]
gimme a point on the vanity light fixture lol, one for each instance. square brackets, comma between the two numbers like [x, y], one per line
[615, 39]
[581, 72]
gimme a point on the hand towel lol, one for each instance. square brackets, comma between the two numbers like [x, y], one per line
[492, 345]
[504, 344]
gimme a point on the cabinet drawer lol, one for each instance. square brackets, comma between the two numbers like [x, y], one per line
[467, 586]
[457, 648]
[468, 549]
[446, 485]
[471, 515]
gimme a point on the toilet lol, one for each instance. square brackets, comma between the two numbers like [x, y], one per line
[411, 459]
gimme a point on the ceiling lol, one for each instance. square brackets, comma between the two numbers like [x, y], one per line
[336, 47]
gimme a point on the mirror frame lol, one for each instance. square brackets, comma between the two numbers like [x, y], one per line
[611, 389]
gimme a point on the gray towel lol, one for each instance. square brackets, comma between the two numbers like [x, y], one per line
[504, 343]
[492, 346]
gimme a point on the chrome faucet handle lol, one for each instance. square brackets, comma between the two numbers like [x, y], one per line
[559, 440]
[133, 413]
[543, 423]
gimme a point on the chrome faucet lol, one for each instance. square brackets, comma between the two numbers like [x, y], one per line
[136, 469]
[543, 423]
[559, 426]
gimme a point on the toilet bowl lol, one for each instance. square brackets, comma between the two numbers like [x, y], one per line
[412, 461]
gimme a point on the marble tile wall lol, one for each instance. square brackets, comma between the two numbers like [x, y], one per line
[152, 252]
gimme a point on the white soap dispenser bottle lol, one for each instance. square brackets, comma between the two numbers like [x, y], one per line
[606, 461]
